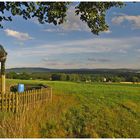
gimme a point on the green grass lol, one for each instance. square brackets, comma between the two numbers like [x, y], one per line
[86, 110]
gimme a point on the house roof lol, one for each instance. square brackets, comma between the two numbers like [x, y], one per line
[3, 54]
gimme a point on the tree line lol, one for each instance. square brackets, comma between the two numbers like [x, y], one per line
[106, 77]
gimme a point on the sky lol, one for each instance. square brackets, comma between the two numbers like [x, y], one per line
[72, 45]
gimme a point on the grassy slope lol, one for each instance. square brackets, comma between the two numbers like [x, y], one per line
[83, 110]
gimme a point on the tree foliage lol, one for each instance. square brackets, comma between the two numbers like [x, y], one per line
[78, 77]
[93, 13]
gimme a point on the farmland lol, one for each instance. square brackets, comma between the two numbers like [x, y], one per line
[79, 110]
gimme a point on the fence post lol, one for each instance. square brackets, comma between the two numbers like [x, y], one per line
[42, 95]
[9, 101]
[13, 101]
[2, 101]
[33, 96]
[6, 102]
[36, 95]
[23, 99]
[29, 96]
[26, 98]
[16, 109]
[51, 93]
[46, 94]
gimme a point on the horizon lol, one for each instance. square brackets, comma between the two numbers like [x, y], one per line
[72, 45]
[73, 68]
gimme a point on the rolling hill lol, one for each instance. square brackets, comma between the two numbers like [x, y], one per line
[38, 69]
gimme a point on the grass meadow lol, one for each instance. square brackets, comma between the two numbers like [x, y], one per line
[77, 110]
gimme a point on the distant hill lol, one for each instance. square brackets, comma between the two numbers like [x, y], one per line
[28, 70]
[46, 70]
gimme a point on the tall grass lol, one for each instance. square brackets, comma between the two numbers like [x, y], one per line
[78, 110]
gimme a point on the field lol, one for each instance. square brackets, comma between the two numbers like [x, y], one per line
[79, 110]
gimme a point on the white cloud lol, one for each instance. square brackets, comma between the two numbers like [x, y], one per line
[18, 35]
[77, 48]
[138, 50]
[19, 43]
[35, 20]
[134, 20]
[73, 22]
[103, 60]
[52, 30]
[118, 14]
[96, 45]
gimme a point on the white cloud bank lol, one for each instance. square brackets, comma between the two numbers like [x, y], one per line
[96, 45]
[119, 46]
[18, 35]
[134, 20]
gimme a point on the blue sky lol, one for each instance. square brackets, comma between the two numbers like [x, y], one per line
[72, 45]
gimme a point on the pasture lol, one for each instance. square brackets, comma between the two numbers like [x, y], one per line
[96, 110]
